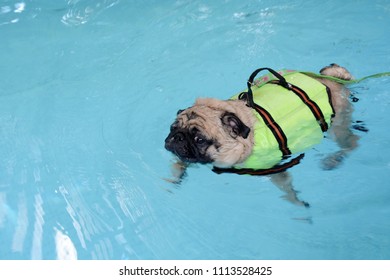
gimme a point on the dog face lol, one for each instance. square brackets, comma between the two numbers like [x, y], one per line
[212, 131]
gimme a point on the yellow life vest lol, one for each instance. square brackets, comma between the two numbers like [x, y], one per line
[293, 110]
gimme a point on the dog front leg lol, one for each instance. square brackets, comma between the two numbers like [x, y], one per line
[283, 181]
[178, 170]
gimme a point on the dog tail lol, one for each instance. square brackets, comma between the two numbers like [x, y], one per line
[339, 74]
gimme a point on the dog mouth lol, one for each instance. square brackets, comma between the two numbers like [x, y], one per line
[185, 152]
[181, 153]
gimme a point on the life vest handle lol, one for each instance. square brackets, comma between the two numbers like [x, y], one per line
[248, 96]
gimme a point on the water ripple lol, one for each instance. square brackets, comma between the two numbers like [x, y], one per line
[10, 13]
[81, 12]
[21, 224]
[36, 251]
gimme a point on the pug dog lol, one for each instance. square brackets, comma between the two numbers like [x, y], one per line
[221, 133]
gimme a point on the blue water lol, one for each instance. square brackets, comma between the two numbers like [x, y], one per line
[88, 90]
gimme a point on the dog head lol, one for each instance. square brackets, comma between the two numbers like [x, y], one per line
[212, 131]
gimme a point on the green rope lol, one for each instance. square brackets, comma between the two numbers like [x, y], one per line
[346, 82]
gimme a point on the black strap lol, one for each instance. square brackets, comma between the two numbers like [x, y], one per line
[266, 116]
[248, 96]
[260, 172]
[313, 106]
[276, 130]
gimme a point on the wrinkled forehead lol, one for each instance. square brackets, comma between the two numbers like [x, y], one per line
[199, 116]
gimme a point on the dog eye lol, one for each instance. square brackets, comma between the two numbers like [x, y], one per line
[199, 140]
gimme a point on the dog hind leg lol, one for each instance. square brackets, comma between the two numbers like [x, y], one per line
[340, 130]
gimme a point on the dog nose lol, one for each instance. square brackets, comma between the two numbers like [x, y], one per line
[178, 137]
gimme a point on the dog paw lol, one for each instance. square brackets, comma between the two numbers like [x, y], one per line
[336, 71]
[175, 181]
[295, 200]
[333, 161]
[359, 125]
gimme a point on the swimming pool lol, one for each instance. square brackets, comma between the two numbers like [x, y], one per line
[89, 90]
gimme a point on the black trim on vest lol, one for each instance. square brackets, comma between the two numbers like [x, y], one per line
[260, 172]
[276, 130]
[329, 92]
[314, 108]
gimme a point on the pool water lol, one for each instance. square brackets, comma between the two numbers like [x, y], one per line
[89, 90]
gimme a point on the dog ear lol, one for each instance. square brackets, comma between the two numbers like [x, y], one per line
[234, 125]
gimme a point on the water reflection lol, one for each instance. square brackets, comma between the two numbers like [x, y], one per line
[10, 13]
[36, 251]
[77, 12]
[21, 224]
[19, 7]
[65, 248]
[80, 12]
